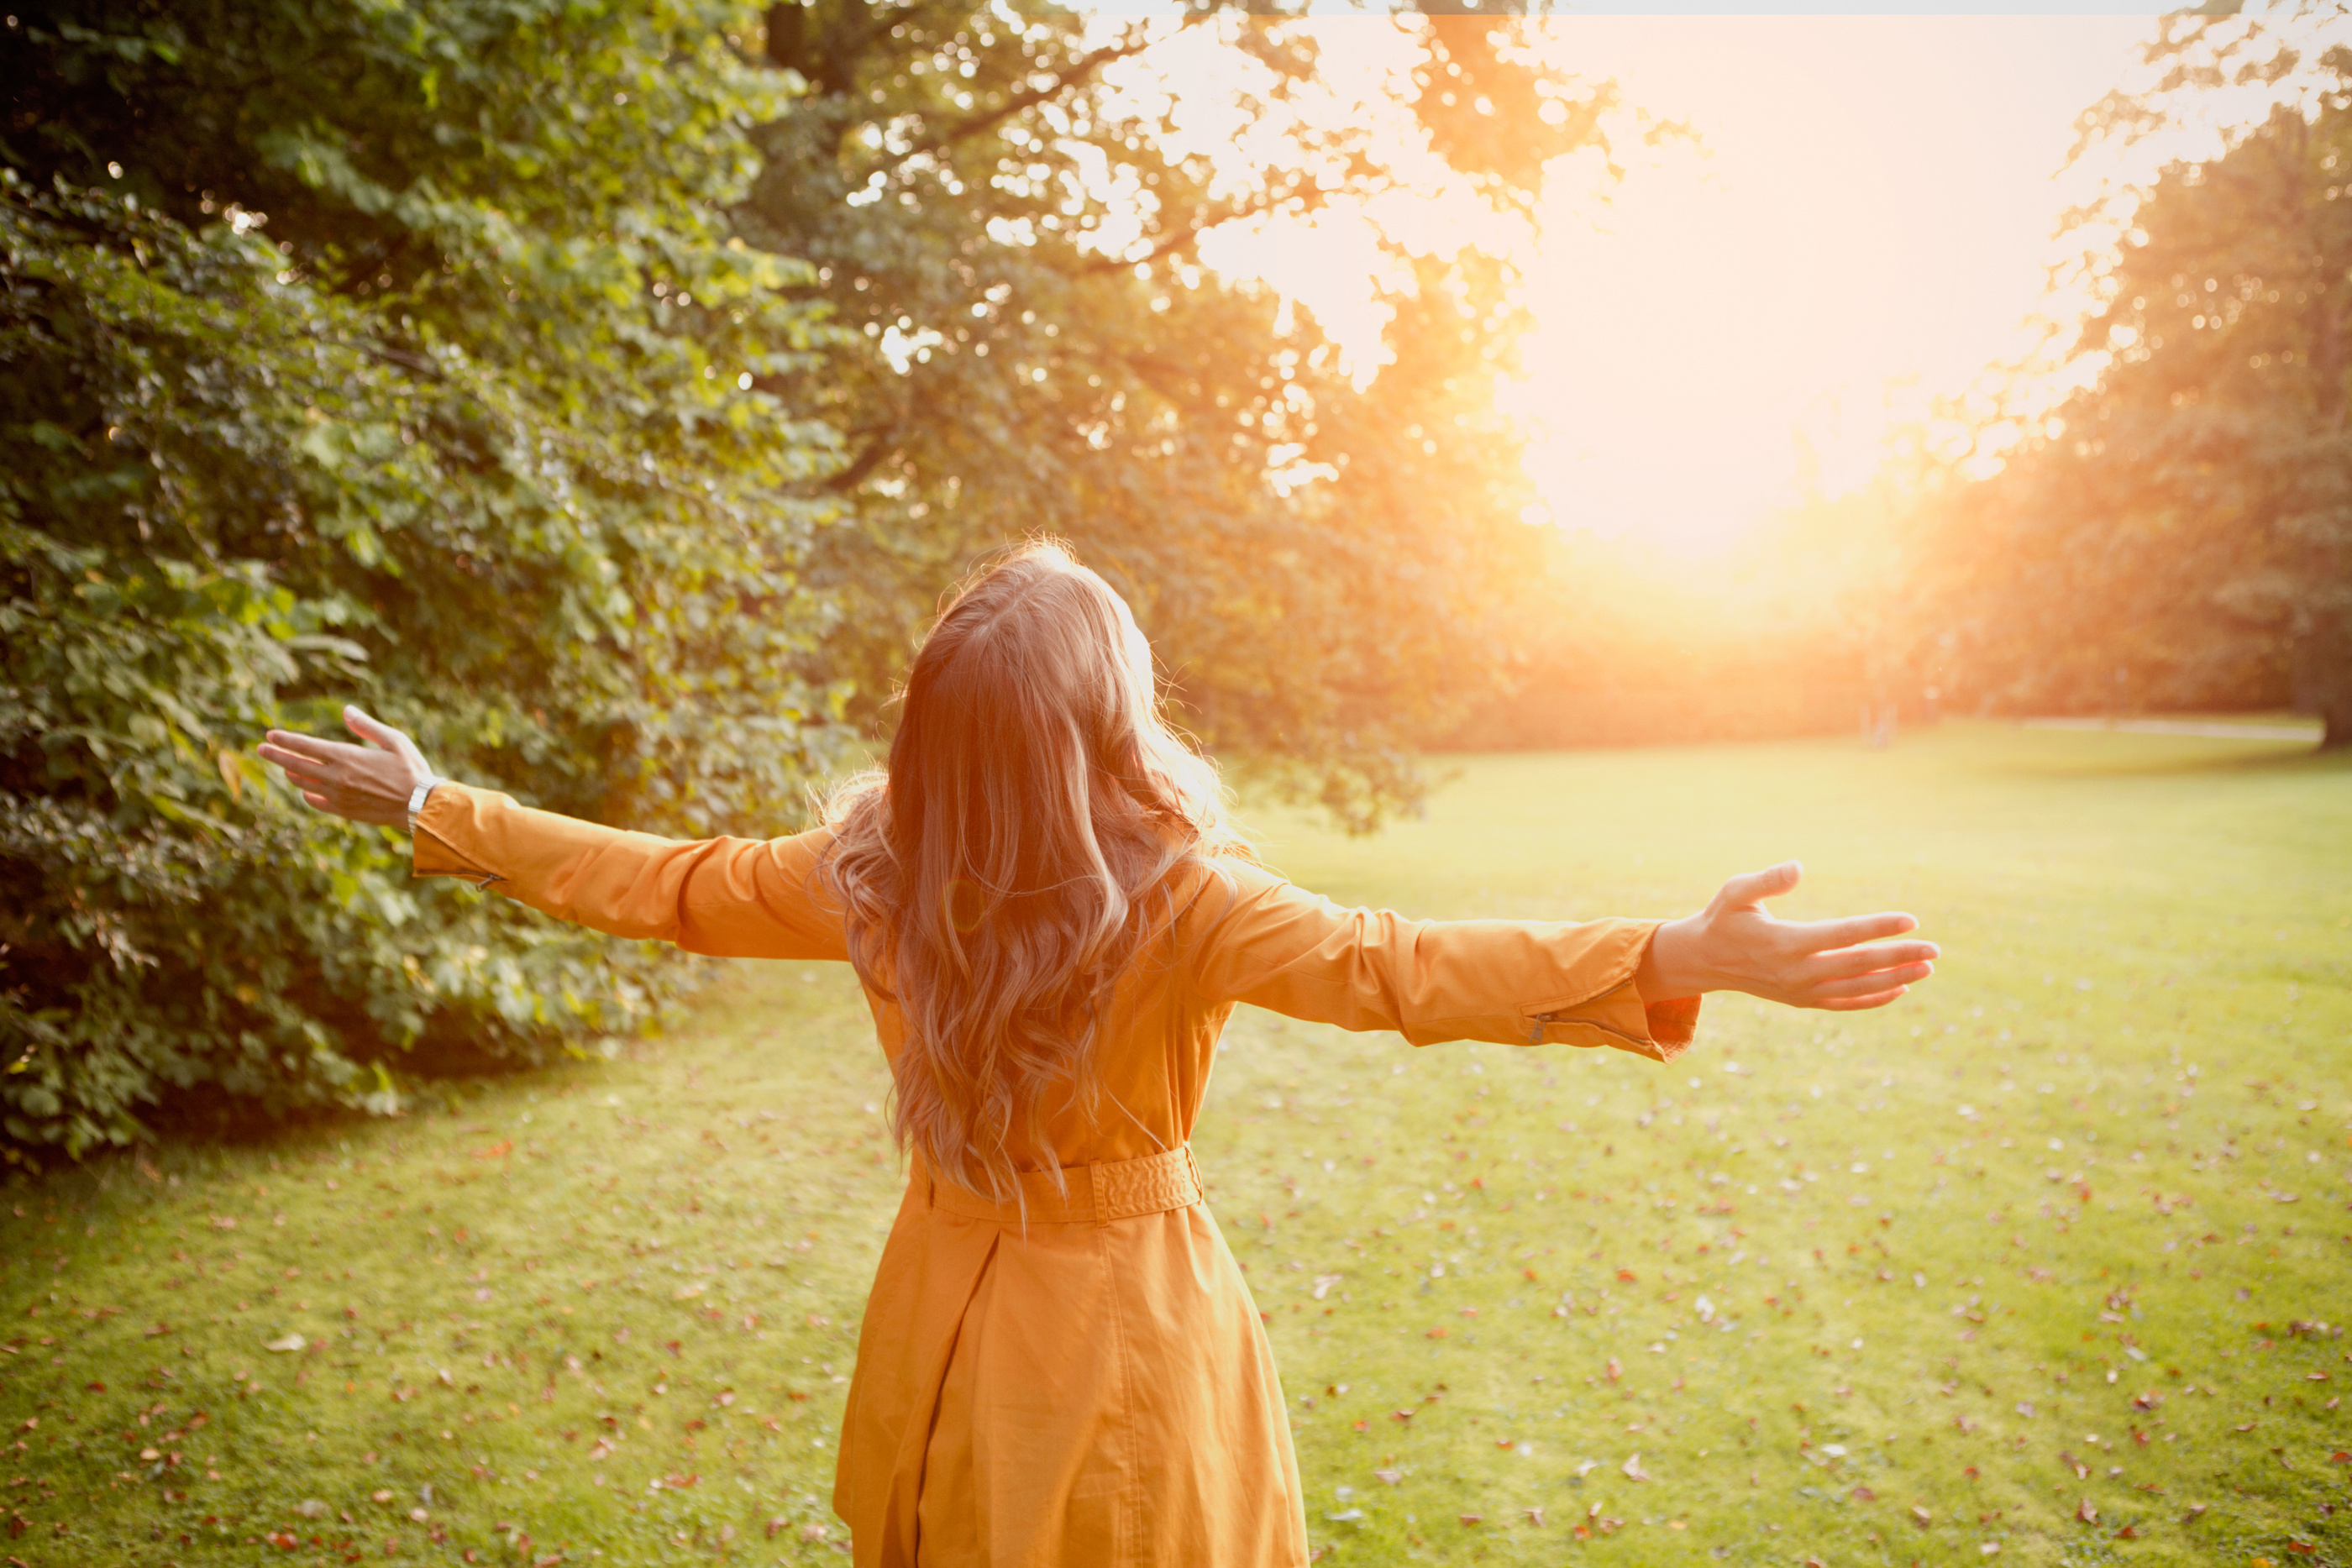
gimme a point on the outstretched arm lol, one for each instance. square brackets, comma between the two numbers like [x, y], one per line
[1630, 984]
[1254, 937]
[733, 898]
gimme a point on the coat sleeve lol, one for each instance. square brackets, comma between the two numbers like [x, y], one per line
[738, 898]
[1261, 940]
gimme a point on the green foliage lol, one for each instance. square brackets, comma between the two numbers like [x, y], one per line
[2180, 533]
[411, 375]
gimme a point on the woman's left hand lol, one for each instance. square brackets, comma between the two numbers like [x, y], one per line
[1733, 945]
[368, 783]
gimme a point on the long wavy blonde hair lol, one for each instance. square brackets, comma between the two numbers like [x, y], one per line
[1016, 858]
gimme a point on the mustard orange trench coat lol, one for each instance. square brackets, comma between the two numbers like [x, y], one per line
[1088, 1384]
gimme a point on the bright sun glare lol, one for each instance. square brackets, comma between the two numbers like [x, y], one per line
[1862, 223]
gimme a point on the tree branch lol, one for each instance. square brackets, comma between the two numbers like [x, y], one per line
[965, 130]
[879, 447]
[1184, 237]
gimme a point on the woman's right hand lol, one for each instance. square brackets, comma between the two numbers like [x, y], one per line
[370, 783]
[1733, 945]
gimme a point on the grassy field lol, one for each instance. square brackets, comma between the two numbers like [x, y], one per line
[2047, 1263]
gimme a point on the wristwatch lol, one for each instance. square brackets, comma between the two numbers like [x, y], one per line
[416, 799]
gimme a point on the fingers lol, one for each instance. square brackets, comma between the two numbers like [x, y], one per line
[302, 748]
[1751, 888]
[311, 778]
[299, 767]
[1863, 1004]
[319, 768]
[1849, 961]
[1867, 985]
[367, 726]
[1820, 936]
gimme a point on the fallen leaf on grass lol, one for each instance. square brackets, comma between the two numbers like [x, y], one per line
[292, 1342]
[2088, 1511]
[1634, 1470]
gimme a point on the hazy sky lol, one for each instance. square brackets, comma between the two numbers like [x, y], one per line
[1871, 201]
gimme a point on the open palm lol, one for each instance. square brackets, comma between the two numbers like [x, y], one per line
[1734, 944]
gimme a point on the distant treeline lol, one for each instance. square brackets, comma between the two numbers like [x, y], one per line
[2178, 534]
[1543, 716]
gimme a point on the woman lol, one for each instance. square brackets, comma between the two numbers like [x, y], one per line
[1060, 1364]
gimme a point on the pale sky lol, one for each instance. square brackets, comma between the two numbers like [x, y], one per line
[1871, 203]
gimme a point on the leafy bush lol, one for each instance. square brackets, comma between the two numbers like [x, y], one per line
[422, 375]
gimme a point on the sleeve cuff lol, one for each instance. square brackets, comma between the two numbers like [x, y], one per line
[1673, 1025]
[433, 847]
[1623, 1017]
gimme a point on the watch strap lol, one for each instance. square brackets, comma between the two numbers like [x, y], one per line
[416, 800]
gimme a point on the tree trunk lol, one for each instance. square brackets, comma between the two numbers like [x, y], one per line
[2322, 674]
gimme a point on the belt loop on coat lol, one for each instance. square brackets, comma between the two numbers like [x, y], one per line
[1095, 1189]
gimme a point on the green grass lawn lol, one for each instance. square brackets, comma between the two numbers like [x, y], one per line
[2047, 1263]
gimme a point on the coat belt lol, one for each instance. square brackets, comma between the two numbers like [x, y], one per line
[1095, 1194]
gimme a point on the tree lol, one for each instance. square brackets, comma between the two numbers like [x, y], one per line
[1003, 207]
[2181, 530]
[385, 351]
